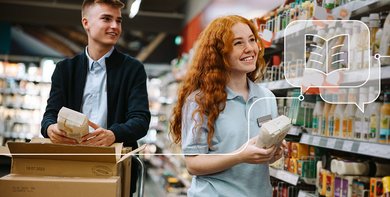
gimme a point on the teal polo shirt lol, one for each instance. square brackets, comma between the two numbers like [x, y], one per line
[234, 126]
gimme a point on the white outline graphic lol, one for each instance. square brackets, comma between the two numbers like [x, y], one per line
[298, 26]
[327, 41]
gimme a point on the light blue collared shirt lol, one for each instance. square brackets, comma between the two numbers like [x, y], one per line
[233, 127]
[94, 104]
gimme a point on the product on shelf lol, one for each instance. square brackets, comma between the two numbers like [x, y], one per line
[349, 168]
[317, 116]
[374, 114]
[376, 187]
[384, 48]
[386, 186]
[384, 134]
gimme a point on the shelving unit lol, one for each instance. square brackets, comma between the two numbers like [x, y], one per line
[283, 175]
[350, 77]
[23, 95]
[357, 8]
[347, 145]
[368, 150]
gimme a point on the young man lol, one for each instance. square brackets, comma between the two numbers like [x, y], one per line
[102, 83]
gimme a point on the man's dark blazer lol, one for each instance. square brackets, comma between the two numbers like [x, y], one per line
[127, 99]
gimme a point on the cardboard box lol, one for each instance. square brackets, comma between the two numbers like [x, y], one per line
[46, 159]
[38, 186]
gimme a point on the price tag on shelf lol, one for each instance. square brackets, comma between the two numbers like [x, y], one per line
[374, 149]
[355, 147]
[367, 149]
[339, 144]
[386, 153]
[310, 140]
[347, 145]
[323, 142]
[331, 143]
[284, 175]
[316, 140]
[288, 177]
[294, 131]
[304, 139]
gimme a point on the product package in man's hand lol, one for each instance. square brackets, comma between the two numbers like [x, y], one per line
[273, 132]
[74, 123]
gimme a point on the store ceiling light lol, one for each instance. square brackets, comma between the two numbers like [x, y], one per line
[134, 8]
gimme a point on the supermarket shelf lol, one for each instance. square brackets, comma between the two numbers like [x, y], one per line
[350, 77]
[26, 78]
[295, 131]
[19, 91]
[347, 145]
[21, 107]
[293, 29]
[356, 7]
[284, 175]
[302, 193]
[363, 7]
[24, 58]
[280, 84]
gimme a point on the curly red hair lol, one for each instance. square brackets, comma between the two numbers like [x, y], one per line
[208, 73]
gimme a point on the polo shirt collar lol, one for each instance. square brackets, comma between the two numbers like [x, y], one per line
[253, 91]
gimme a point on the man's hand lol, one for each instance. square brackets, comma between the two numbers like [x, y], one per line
[59, 137]
[100, 137]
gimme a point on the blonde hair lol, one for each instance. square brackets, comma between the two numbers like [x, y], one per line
[113, 3]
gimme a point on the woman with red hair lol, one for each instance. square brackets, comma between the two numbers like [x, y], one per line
[213, 118]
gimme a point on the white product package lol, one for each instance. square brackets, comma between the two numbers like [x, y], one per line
[74, 123]
[273, 132]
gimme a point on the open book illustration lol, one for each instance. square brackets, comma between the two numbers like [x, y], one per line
[327, 55]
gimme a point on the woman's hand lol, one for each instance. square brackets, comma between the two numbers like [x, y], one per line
[279, 152]
[250, 153]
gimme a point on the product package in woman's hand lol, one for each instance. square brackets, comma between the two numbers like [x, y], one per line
[273, 132]
[74, 123]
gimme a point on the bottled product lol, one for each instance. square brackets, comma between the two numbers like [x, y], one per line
[331, 120]
[356, 52]
[374, 25]
[286, 16]
[349, 115]
[382, 169]
[329, 4]
[386, 186]
[325, 120]
[384, 133]
[364, 39]
[292, 12]
[374, 114]
[317, 116]
[385, 41]
[361, 123]
[349, 167]
[338, 120]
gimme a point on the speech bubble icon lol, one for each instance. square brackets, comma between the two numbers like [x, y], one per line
[359, 96]
[321, 53]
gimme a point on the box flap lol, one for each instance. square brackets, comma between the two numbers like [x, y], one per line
[40, 140]
[4, 151]
[132, 152]
[65, 152]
